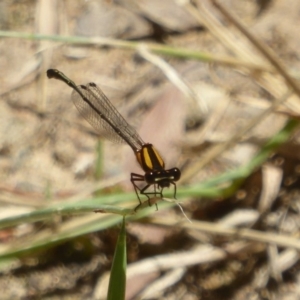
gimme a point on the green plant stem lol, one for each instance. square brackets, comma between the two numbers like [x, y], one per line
[177, 52]
[117, 281]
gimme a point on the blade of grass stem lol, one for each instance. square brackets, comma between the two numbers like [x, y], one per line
[66, 209]
[49, 238]
[156, 48]
[117, 281]
[99, 160]
[236, 177]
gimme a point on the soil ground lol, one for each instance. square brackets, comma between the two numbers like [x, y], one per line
[48, 151]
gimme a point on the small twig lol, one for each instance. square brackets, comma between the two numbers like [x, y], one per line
[180, 207]
[174, 77]
[221, 33]
[244, 233]
[267, 52]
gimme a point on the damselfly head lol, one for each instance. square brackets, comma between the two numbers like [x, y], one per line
[163, 177]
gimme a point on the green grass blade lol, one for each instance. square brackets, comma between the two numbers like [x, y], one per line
[113, 205]
[212, 187]
[99, 160]
[117, 281]
[45, 239]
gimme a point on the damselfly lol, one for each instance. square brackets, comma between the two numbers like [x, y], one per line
[96, 108]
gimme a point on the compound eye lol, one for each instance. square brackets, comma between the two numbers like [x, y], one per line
[176, 174]
[150, 177]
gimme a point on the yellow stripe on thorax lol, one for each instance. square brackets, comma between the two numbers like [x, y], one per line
[149, 158]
